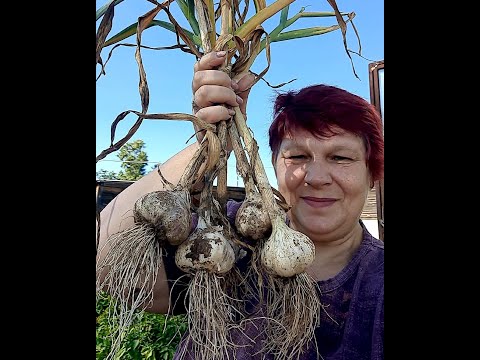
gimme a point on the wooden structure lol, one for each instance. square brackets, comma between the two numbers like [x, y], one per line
[108, 189]
[376, 71]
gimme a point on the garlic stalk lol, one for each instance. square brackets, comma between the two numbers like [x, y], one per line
[295, 246]
[209, 257]
[252, 220]
[292, 301]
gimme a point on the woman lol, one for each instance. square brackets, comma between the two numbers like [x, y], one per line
[327, 151]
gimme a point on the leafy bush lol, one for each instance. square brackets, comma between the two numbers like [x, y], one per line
[151, 336]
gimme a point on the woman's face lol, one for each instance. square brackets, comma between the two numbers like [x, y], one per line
[326, 181]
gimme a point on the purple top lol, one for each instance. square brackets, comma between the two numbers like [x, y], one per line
[354, 299]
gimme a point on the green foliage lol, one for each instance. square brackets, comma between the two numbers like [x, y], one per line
[151, 336]
[107, 175]
[134, 162]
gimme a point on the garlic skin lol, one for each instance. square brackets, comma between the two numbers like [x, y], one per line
[205, 249]
[252, 219]
[286, 252]
[168, 211]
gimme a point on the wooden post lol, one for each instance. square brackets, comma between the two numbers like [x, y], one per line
[376, 100]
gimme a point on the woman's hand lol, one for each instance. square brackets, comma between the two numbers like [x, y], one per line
[215, 93]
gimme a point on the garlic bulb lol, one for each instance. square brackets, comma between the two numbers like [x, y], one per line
[252, 219]
[168, 211]
[205, 249]
[287, 252]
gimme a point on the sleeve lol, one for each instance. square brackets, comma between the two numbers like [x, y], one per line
[378, 330]
[177, 281]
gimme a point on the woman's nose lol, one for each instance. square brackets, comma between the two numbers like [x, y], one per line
[317, 175]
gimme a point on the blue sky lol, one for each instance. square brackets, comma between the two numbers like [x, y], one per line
[318, 59]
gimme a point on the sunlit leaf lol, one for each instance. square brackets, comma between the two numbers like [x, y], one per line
[132, 29]
[104, 8]
[302, 33]
[188, 9]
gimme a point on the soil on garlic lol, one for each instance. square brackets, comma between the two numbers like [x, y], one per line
[168, 212]
[205, 249]
[252, 220]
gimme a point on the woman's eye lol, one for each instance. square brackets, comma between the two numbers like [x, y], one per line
[340, 158]
[296, 157]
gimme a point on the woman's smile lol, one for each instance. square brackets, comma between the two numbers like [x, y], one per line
[318, 202]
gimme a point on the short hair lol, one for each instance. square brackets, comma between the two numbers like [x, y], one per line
[318, 109]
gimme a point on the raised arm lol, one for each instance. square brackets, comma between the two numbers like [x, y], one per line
[210, 87]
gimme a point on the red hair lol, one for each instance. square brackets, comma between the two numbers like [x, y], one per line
[318, 109]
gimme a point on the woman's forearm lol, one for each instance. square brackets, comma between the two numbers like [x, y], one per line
[117, 215]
